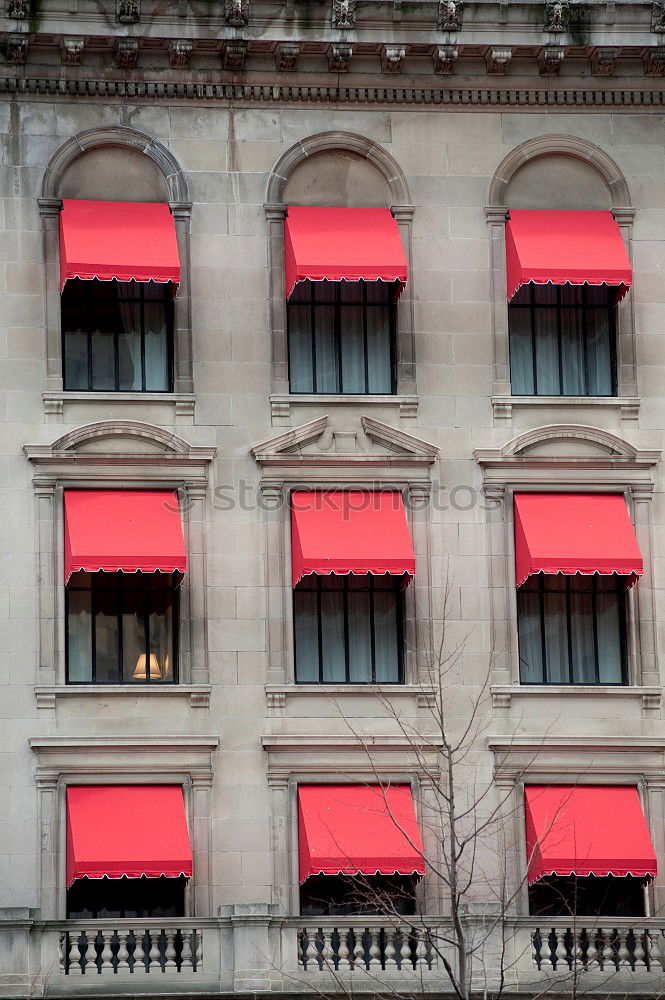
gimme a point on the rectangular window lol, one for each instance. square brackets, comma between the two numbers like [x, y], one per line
[121, 628]
[342, 337]
[348, 630]
[122, 898]
[563, 341]
[590, 895]
[572, 629]
[117, 336]
[370, 895]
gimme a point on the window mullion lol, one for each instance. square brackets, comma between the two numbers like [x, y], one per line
[569, 631]
[319, 622]
[312, 308]
[146, 630]
[337, 332]
[142, 335]
[365, 347]
[534, 339]
[585, 338]
[372, 637]
[559, 337]
[594, 616]
[120, 598]
[89, 313]
[347, 659]
[93, 630]
[541, 610]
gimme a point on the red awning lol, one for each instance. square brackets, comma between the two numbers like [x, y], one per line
[342, 244]
[586, 830]
[562, 247]
[136, 531]
[574, 533]
[358, 830]
[338, 532]
[124, 240]
[132, 830]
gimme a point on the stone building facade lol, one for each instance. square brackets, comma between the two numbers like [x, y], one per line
[448, 116]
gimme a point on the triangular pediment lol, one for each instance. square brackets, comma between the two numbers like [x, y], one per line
[323, 442]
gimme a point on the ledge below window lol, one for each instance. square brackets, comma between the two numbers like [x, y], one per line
[181, 404]
[627, 406]
[504, 694]
[280, 404]
[277, 694]
[198, 694]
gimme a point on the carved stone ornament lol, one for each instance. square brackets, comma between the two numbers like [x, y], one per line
[236, 13]
[18, 9]
[392, 59]
[339, 57]
[603, 61]
[654, 61]
[344, 14]
[658, 16]
[180, 51]
[450, 15]
[286, 57]
[557, 15]
[128, 11]
[445, 57]
[550, 59]
[126, 53]
[234, 56]
[71, 51]
[497, 59]
[16, 48]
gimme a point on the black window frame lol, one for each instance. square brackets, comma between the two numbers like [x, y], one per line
[623, 633]
[86, 289]
[586, 309]
[399, 595]
[339, 306]
[175, 645]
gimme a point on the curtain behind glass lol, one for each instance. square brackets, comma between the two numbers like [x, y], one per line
[155, 305]
[306, 636]
[529, 635]
[521, 351]
[79, 636]
[129, 337]
[581, 630]
[360, 642]
[332, 632]
[301, 370]
[599, 353]
[386, 640]
[547, 342]
[327, 375]
[608, 600]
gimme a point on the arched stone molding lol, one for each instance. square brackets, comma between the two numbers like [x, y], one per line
[561, 145]
[116, 455]
[402, 209]
[569, 458]
[598, 160]
[49, 208]
[350, 142]
[119, 135]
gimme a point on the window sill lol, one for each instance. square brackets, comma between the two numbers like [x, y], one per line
[628, 406]
[503, 694]
[280, 404]
[277, 694]
[181, 403]
[198, 694]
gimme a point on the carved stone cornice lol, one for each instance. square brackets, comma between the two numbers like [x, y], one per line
[654, 61]
[392, 59]
[180, 50]
[603, 61]
[126, 53]
[497, 59]
[658, 16]
[16, 48]
[445, 57]
[339, 58]
[550, 60]
[234, 56]
[286, 57]
[133, 757]
[71, 51]
[592, 759]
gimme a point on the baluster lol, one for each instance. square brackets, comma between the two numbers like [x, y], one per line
[154, 954]
[652, 950]
[319, 944]
[640, 951]
[354, 944]
[537, 956]
[609, 963]
[107, 951]
[198, 951]
[558, 949]
[577, 939]
[75, 955]
[122, 957]
[63, 951]
[623, 957]
[308, 952]
[390, 949]
[186, 953]
[591, 952]
[374, 948]
[326, 948]
[169, 950]
[421, 949]
[139, 953]
[343, 949]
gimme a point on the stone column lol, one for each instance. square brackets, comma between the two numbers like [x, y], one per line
[496, 220]
[253, 966]
[406, 341]
[47, 578]
[274, 503]
[418, 632]
[494, 497]
[655, 796]
[201, 792]
[626, 355]
[195, 500]
[642, 596]
[183, 377]
[280, 840]
[48, 820]
[275, 216]
[49, 211]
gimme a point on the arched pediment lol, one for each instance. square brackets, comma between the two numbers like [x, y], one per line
[567, 145]
[124, 137]
[349, 142]
[574, 440]
[110, 435]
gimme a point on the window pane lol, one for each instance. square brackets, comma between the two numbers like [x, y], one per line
[136, 666]
[107, 638]
[129, 337]
[103, 361]
[521, 352]
[379, 362]
[300, 349]
[155, 308]
[572, 348]
[599, 353]
[353, 349]
[609, 637]
[556, 633]
[326, 354]
[547, 352]
[306, 636]
[332, 632]
[529, 634]
[386, 644]
[161, 635]
[76, 359]
[360, 645]
[79, 636]
[581, 630]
